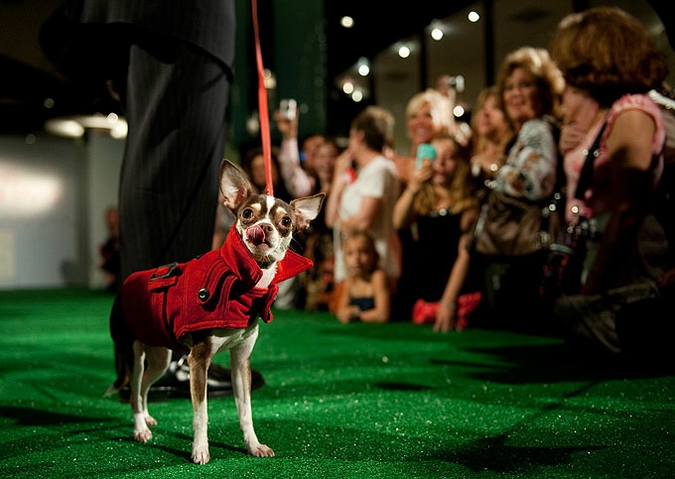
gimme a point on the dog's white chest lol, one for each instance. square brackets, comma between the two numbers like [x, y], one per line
[267, 277]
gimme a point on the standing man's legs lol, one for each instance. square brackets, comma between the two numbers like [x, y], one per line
[175, 104]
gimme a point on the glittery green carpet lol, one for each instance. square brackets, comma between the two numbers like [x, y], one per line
[343, 401]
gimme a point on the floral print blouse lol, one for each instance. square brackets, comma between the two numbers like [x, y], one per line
[530, 168]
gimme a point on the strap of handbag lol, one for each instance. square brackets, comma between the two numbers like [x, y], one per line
[587, 168]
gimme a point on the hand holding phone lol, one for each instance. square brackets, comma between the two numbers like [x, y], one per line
[288, 108]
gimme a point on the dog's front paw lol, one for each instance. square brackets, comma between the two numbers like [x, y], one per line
[141, 431]
[260, 450]
[200, 455]
[142, 435]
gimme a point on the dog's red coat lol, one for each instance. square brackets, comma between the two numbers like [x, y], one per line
[214, 291]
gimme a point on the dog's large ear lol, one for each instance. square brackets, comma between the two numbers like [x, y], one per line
[234, 184]
[307, 208]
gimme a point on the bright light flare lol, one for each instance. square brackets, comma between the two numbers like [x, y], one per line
[25, 193]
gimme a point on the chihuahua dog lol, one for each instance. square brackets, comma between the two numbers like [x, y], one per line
[210, 304]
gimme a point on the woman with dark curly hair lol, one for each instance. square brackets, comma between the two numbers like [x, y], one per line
[610, 63]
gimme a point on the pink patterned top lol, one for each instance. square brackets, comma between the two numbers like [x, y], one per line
[598, 197]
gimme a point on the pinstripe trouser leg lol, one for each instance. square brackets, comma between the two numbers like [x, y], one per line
[176, 100]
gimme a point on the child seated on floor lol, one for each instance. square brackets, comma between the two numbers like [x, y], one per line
[364, 294]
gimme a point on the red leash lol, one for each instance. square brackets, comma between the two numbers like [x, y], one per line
[262, 105]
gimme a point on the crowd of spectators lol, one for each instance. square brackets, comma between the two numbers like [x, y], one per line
[396, 240]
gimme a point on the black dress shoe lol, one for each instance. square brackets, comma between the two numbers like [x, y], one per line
[176, 383]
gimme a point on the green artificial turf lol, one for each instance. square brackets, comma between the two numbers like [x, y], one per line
[345, 401]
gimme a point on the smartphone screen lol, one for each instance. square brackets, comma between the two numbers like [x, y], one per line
[425, 151]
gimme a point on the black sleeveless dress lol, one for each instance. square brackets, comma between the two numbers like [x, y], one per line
[439, 233]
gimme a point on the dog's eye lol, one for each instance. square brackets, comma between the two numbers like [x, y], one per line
[247, 214]
[286, 222]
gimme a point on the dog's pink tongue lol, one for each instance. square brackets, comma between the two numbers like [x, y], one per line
[255, 235]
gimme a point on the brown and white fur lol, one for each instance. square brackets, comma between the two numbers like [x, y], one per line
[266, 225]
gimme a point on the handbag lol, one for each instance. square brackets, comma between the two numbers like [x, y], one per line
[424, 312]
[567, 252]
[511, 226]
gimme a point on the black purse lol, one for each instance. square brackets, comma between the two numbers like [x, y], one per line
[567, 252]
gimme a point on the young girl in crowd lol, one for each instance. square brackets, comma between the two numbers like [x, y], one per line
[365, 294]
[438, 203]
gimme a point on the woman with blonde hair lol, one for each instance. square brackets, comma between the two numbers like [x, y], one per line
[530, 86]
[428, 113]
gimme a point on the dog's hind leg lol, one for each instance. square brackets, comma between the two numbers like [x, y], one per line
[123, 340]
[142, 378]
[138, 406]
[240, 358]
[156, 364]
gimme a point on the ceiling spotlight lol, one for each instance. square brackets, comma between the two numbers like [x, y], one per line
[347, 21]
[403, 51]
[436, 33]
[473, 16]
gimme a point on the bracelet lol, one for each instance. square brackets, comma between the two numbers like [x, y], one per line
[451, 305]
